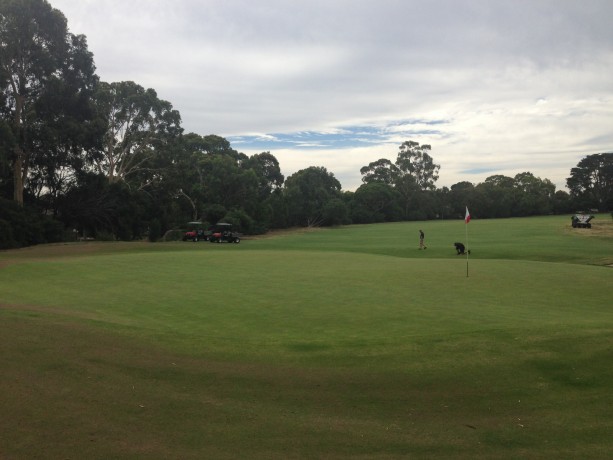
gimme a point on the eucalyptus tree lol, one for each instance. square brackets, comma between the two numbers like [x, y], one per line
[40, 61]
[211, 178]
[412, 175]
[138, 125]
[414, 160]
[6, 149]
[381, 171]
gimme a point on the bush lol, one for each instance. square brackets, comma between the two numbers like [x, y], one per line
[6, 235]
[173, 235]
[240, 220]
[103, 235]
[335, 212]
[23, 226]
[53, 231]
[155, 230]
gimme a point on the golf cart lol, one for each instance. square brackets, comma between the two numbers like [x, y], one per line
[222, 232]
[196, 232]
[581, 220]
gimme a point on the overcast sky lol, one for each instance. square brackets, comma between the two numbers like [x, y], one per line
[495, 87]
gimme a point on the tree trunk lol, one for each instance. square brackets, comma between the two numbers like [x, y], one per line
[17, 177]
[18, 165]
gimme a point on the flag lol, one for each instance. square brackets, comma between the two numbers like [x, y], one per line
[467, 216]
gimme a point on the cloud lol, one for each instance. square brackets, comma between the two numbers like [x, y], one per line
[494, 87]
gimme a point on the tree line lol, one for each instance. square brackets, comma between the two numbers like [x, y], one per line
[79, 156]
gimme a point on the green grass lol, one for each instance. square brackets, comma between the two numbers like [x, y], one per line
[335, 343]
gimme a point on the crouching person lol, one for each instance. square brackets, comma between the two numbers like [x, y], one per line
[460, 248]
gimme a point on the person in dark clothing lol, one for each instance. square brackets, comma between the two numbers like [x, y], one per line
[460, 248]
[421, 240]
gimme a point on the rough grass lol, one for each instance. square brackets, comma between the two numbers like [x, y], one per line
[342, 343]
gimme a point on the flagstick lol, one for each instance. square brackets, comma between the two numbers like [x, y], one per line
[466, 225]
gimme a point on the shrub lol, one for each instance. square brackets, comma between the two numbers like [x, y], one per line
[155, 230]
[173, 235]
[6, 235]
[240, 220]
[24, 226]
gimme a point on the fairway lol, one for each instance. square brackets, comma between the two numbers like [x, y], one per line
[330, 343]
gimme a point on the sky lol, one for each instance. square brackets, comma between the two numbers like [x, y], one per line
[493, 86]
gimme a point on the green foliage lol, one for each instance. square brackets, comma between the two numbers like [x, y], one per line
[39, 61]
[240, 220]
[307, 193]
[23, 226]
[375, 202]
[335, 212]
[173, 235]
[155, 231]
[413, 160]
[96, 207]
[215, 213]
[6, 235]
[591, 182]
[138, 125]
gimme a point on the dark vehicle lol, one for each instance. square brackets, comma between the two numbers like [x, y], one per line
[222, 232]
[581, 220]
[196, 232]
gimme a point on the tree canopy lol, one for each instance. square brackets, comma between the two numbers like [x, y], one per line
[591, 181]
[40, 63]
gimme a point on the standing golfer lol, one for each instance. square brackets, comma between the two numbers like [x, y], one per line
[421, 240]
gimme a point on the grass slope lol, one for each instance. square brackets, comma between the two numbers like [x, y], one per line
[342, 343]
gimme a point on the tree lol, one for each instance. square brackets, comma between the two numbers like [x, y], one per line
[535, 195]
[460, 195]
[412, 174]
[495, 197]
[408, 192]
[562, 202]
[103, 210]
[413, 159]
[591, 181]
[267, 169]
[375, 202]
[382, 171]
[65, 135]
[307, 192]
[7, 143]
[138, 125]
[228, 184]
[38, 58]
[335, 212]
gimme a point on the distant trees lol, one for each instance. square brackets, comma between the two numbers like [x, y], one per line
[413, 161]
[111, 161]
[375, 202]
[308, 193]
[534, 195]
[411, 175]
[591, 182]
